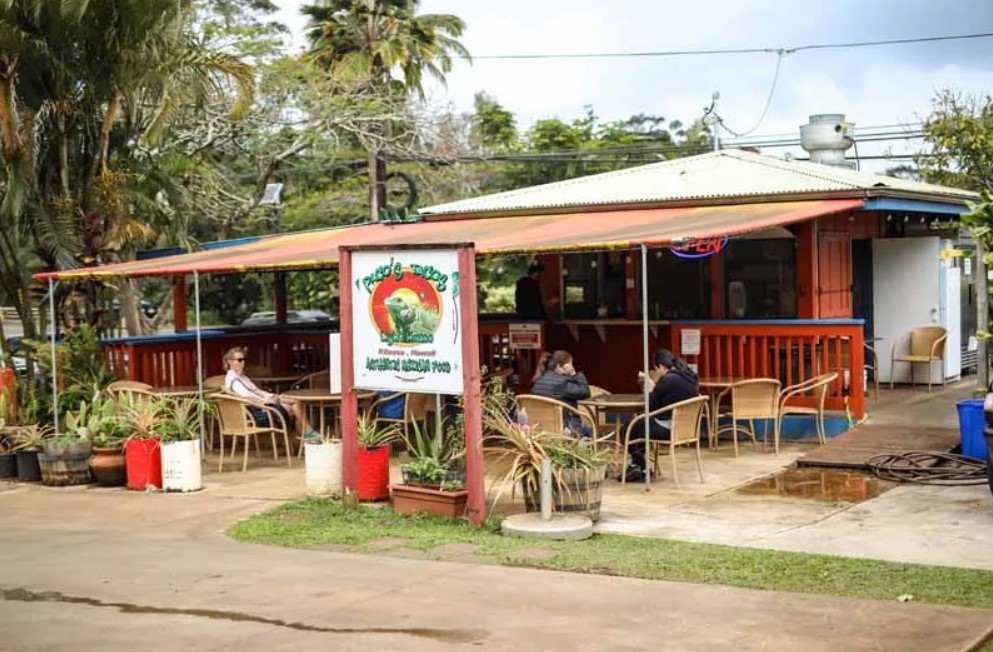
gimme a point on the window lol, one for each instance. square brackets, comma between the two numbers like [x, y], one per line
[593, 285]
[760, 279]
[678, 288]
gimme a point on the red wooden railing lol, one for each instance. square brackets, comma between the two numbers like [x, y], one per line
[791, 351]
[170, 360]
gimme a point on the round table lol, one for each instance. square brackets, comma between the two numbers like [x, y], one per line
[322, 397]
[613, 403]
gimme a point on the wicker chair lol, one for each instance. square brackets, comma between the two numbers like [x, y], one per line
[549, 413]
[236, 422]
[416, 407]
[686, 417]
[817, 388]
[756, 399]
[213, 383]
[316, 380]
[926, 345]
[134, 390]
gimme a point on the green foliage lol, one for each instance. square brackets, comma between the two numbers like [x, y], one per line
[233, 297]
[180, 419]
[313, 523]
[959, 135]
[99, 420]
[373, 434]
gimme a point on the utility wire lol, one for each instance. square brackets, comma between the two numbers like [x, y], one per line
[718, 51]
[768, 102]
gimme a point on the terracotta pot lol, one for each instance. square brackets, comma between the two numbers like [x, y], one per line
[409, 499]
[108, 467]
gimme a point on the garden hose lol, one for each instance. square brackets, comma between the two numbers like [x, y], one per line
[929, 467]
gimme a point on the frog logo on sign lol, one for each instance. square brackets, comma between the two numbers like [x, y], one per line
[405, 303]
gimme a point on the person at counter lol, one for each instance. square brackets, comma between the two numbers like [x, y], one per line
[563, 383]
[528, 301]
[676, 382]
[236, 382]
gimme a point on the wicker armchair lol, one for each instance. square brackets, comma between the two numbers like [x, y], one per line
[235, 421]
[549, 413]
[817, 388]
[686, 417]
[925, 345]
[756, 399]
[316, 380]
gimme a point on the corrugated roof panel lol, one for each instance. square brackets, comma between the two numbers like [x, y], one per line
[725, 174]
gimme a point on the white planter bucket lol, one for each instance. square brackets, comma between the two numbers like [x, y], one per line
[181, 469]
[323, 468]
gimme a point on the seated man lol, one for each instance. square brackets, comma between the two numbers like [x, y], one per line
[236, 382]
[562, 382]
[676, 382]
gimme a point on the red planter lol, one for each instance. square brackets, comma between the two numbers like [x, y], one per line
[144, 462]
[374, 473]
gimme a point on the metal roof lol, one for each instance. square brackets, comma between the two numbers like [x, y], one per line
[718, 177]
[587, 230]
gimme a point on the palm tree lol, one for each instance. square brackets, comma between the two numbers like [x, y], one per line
[386, 45]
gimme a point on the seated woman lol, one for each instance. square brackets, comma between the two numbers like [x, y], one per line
[676, 382]
[562, 382]
[236, 382]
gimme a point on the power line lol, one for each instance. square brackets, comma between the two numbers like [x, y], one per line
[765, 109]
[720, 51]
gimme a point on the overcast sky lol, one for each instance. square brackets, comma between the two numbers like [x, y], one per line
[885, 85]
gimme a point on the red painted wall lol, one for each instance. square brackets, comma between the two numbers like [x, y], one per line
[613, 364]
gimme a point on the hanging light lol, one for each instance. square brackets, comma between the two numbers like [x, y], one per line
[889, 217]
[593, 263]
[906, 219]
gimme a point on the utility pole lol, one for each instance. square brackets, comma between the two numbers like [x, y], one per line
[714, 121]
[377, 184]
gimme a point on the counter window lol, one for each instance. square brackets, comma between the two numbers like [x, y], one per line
[593, 285]
[678, 288]
[760, 279]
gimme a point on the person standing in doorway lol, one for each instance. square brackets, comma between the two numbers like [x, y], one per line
[528, 301]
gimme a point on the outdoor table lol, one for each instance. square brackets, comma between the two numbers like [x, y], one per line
[275, 383]
[321, 397]
[613, 403]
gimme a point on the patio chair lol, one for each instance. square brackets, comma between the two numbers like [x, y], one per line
[316, 380]
[213, 383]
[236, 421]
[926, 345]
[755, 399]
[686, 417]
[816, 388]
[136, 391]
[416, 407]
[549, 414]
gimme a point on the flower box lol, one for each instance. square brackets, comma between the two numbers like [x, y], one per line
[409, 499]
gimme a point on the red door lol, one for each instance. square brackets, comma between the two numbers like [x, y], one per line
[834, 275]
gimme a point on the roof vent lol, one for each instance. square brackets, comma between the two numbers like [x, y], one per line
[827, 137]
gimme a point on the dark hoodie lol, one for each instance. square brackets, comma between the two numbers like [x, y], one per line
[677, 385]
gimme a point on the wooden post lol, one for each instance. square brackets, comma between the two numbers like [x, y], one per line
[179, 303]
[474, 463]
[806, 270]
[349, 402]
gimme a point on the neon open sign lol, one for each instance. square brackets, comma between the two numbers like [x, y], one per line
[700, 247]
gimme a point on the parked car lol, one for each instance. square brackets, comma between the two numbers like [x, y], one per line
[146, 306]
[268, 318]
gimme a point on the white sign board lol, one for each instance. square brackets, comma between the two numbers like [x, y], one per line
[334, 362]
[525, 336]
[689, 341]
[407, 330]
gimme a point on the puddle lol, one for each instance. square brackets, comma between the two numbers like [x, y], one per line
[439, 635]
[819, 484]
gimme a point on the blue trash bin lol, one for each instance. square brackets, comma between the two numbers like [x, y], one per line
[971, 424]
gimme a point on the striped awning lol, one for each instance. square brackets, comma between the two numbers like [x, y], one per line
[614, 229]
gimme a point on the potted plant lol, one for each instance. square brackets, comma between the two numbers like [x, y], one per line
[8, 459]
[433, 478]
[578, 465]
[26, 441]
[107, 461]
[374, 458]
[65, 457]
[178, 429]
[323, 467]
[142, 448]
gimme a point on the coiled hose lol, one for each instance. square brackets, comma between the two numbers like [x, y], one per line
[929, 467]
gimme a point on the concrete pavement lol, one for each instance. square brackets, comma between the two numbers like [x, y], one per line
[83, 568]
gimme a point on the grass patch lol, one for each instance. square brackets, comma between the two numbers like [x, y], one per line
[315, 522]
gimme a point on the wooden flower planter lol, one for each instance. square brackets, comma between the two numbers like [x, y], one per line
[411, 499]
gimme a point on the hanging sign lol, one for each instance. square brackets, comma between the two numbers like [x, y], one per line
[525, 336]
[407, 333]
[700, 247]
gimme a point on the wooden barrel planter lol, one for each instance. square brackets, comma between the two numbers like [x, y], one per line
[65, 464]
[579, 491]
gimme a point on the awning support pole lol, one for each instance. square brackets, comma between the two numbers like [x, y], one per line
[644, 341]
[196, 303]
[55, 365]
